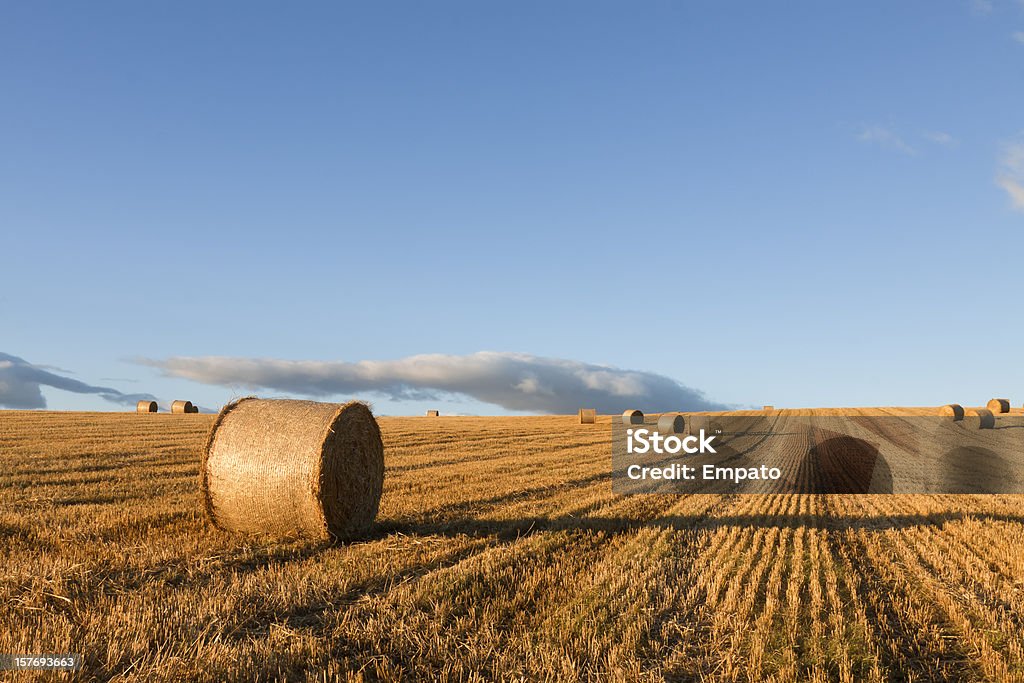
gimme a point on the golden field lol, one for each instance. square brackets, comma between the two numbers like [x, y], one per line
[500, 553]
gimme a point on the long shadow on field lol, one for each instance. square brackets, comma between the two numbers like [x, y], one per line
[312, 613]
[509, 529]
[450, 510]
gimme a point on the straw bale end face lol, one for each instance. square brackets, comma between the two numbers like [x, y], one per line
[182, 407]
[294, 469]
[986, 420]
[633, 417]
[671, 424]
[953, 410]
[999, 405]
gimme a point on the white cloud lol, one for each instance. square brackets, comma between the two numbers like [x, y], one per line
[1014, 188]
[1011, 172]
[515, 381]
[941, 138]
[884, 137]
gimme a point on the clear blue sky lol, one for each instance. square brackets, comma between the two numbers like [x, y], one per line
[801, 203]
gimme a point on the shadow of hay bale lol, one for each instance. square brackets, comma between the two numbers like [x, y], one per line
[845, 464]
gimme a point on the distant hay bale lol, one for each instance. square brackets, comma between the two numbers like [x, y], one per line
[768, 408]
[588, 416]
[999, 405]
[433, 413]
[293, 469]
[146, 407]
[181, 407]
[953, 410]
[671, 424]
[194, 409]
[986, 420]
[633, 417]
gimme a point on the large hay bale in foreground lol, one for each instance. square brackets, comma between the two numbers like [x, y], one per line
[671, 424]
[146, 407]
[953, 410]
[633, 417]
[294, 469]
[588, 416]
[999, 405]
[181, 407]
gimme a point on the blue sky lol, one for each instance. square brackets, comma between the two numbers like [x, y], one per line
[801, 204]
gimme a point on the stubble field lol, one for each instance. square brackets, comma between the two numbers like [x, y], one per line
[500, 553]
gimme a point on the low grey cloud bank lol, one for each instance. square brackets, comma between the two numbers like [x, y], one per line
[21, 385]
[514, 381]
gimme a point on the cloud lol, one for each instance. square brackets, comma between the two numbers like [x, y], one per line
[884, 137]
[514, 381]
[981, 6]
[1019, 37]
[1014, 188]
[941, 138]
[1010, 176]
[21, 385]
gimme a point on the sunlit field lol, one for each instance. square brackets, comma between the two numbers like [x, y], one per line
[500, 553]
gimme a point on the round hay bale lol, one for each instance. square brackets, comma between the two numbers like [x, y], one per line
[986, 420]
[588, 416]
[671, 424]
[293, 469]
[953, 410]
[194, 409]
[146, 407]
[768, 408]
[181, 407]
[999, 405]
[633, 417]
[433, 413]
